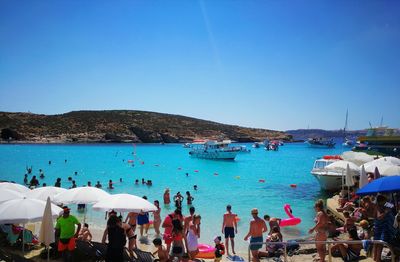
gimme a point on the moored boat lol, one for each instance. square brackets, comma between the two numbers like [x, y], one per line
[212, 149]
[320, 143]
[329, 180]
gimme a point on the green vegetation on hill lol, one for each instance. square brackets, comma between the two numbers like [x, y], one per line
[122, 126]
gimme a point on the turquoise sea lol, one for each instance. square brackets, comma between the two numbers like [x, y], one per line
[219, 182]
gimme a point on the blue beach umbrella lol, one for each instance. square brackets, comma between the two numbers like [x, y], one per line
[389, 184]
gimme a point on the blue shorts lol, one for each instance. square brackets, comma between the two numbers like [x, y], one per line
[256, 240]
[143, 219]
[229, 232]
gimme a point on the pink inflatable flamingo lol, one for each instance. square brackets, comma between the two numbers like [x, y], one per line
[291, 221]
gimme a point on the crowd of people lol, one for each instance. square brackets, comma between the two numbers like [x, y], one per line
[365, 218]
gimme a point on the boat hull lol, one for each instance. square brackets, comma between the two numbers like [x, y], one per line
[320, 145]
[223, 155]
[329, 181]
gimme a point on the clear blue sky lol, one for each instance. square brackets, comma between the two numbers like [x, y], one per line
[272, 64]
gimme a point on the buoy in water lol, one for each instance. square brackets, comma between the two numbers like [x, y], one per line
[179, 168]
[196, 171]
[215, 174]
[261, 180]
[293, 185]
[142, 162]
[237, 177]
[130, 161]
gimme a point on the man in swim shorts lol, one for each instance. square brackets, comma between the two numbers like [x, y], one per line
[257, 228]
[65, 229]
[229, 228]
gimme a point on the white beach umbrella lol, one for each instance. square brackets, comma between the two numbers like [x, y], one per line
[14, 186]
[363, 177]
[342, 165]
[46, 235]
[81, 195]
[124, 203]
[357, 158]
[43, 193]
[349, 177]
[25, 210]
[388, 160]
[370, 167]
[8, 194]
[390, 171]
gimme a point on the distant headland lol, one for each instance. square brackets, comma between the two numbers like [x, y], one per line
[122, 126]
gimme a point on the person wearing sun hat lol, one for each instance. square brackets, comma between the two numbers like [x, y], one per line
[65, 229]
[257, 228]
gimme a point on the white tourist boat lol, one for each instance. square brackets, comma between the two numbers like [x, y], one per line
[329, 180]
[212, 149]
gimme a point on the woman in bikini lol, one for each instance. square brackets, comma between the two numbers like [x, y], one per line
[157, 217]
[178, 239]
[130, 234]
[320, 228]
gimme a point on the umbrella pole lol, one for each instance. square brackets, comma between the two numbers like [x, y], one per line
[342, 181]
[48, 253]
[23, 246]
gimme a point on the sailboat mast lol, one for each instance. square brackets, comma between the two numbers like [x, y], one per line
[345, 124]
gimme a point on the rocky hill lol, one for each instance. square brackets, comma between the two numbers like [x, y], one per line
[304, 134]
[122, 126]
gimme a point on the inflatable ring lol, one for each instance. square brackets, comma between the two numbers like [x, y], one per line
[206, 251]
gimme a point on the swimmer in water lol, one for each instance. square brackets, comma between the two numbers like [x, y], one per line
[110, 184]
[98, 185]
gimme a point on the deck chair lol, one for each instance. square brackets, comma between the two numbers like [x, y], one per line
[143, 256]
[92, 251]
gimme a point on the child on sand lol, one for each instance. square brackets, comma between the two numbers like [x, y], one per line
[161, 251]
[219, 249]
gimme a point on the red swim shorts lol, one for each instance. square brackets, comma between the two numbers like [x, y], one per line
[70, 245]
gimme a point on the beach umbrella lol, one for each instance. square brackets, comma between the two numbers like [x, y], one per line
[376, 173]
[363, 177]
[389, 184]
[370, 167]
[342, 165]
[357, 158]
[81, 195]
[14, 186]
[46, 235]
[124, 203]
[391, 171]
[349, 177]
[25, 210]
[43, 193]
[388, 160]
[8, 194]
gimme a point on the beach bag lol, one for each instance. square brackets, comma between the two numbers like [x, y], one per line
[292, 245]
